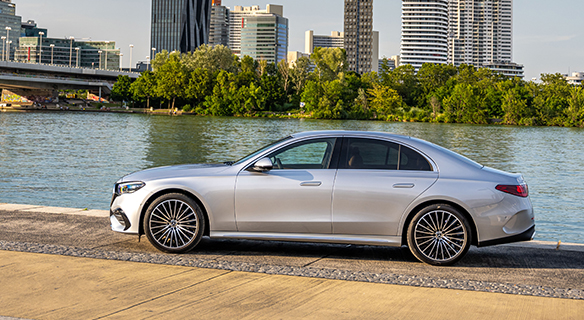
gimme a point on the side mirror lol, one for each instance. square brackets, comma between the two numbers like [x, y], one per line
[263, 165]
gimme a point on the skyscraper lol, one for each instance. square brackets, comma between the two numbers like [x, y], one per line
[424, 32]
[10, 28]
[359, 34]
[219, 28]
[180, 25]
[260, 34]
[481, 31]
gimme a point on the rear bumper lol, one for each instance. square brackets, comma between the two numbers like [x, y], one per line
[525, 236]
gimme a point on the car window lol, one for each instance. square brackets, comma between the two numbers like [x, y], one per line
[412, 160]
[312, 154]
[372, 154]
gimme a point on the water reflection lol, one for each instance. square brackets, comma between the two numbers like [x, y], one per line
[73, 159]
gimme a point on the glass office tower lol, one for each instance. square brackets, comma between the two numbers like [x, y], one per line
[180, 25]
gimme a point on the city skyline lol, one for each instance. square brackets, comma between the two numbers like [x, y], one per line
[546, 38]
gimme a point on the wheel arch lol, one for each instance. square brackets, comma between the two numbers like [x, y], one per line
[160, 193]
[422, 205]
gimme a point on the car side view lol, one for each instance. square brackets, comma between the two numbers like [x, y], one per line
[364, 188]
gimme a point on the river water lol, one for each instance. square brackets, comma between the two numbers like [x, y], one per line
[73, 159]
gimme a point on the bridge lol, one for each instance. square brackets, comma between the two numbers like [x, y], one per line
[44, 79]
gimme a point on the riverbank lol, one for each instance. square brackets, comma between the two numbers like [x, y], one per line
[170, 112]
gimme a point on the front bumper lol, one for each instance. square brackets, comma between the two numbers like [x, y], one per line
[119, 220]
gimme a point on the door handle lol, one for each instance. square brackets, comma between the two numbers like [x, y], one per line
[311, 184]
[404, 185]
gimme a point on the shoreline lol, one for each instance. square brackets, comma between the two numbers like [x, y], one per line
[269, 115]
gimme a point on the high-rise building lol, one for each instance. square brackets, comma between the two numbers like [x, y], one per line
[480, 31]
[265, 37]
[219, 28]
[335, 40]
[260, 34]
[237, 18]
[424, 32]
[180, 25]
[359, 35]
[10, 28]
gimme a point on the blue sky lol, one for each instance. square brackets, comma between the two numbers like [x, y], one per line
[548, 35]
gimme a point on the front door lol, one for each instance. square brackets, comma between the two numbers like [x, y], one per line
[294, 197]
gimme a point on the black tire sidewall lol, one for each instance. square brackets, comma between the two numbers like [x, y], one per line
[200, 220]
[411, 230]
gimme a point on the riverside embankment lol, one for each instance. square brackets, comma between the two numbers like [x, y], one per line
[66, 263]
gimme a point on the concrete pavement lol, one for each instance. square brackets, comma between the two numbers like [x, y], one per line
[50, 285]
[40, 286]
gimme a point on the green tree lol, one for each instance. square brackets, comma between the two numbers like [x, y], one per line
[200, 85]
[575, 110]
[300, 74]
[463, 106]
[403, 80]
[431, 77]
[211, 59]
[171, 79]
[384, 101]
[144, 87]
[224, 92]
[122, 89]
[329, 62]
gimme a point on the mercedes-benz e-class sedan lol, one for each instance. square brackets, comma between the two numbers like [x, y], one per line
[364, 188]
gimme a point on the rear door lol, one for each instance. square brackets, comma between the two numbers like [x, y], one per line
[376, 181]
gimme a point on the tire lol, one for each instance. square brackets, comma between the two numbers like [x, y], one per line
[439, 235]
[174, 223]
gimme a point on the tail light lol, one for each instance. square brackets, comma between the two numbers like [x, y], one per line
[516, 190]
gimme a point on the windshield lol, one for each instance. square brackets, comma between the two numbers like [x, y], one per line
[244, 159]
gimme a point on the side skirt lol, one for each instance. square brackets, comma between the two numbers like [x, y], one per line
[388, 241]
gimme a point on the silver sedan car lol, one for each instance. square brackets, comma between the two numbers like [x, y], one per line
[363, 188]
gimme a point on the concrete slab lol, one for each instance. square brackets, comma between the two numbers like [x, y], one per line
[93, 213]
[17, 207]
[549, 245]
[57, 210]
[41, 286]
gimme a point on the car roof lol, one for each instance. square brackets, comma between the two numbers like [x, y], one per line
[349, 133]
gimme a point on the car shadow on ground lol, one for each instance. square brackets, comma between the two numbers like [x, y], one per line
[509, 257]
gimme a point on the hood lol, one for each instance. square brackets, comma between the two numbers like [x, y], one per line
[186, 170]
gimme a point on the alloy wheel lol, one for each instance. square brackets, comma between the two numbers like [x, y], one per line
[440, 236]
[173, 224]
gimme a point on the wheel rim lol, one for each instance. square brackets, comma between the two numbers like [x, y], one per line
[173, 224]
[440, 235]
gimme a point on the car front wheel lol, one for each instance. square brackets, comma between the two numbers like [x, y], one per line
[439, 235]
[174, 223]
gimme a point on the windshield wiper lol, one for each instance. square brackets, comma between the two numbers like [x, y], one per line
[229, 163]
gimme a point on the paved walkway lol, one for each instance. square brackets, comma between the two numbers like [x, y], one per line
[41, 286]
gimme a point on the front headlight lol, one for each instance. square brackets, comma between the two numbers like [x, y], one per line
[128, 187]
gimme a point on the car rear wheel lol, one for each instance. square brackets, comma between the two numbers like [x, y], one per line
[439, 235]
[174, 223]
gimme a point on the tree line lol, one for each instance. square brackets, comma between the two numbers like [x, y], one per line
[213, 81]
